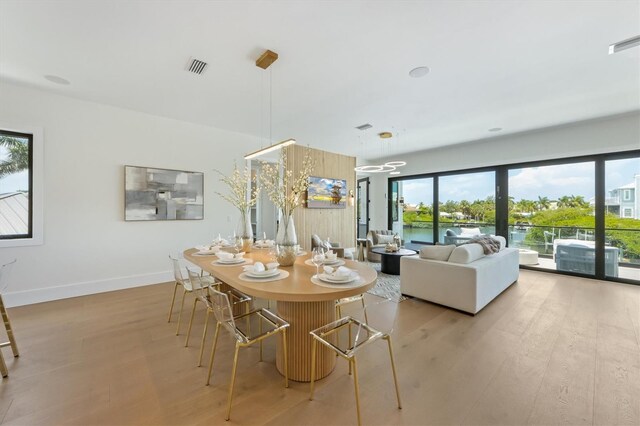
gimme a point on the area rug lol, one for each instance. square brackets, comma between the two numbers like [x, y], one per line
[387, 286]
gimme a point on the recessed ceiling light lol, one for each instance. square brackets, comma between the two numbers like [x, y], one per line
[385, 135]
[57, 80]
[419, 72]
[394, 173]
[495, 129]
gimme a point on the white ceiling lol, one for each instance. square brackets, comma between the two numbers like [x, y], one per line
[517, 65]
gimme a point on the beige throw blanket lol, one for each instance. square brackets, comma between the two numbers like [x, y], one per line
[489, 245]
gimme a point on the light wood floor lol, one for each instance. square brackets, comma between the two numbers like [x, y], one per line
[551, 349]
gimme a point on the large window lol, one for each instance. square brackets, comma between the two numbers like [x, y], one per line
[578, 216]
[467, 206]
[622, 226]
[551, 211]
[16, 185]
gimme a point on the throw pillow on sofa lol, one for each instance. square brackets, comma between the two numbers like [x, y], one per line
[384, 239]
[470, 232]
[437, 252]
[466, 253]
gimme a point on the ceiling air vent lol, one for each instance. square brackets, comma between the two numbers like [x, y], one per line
[364, 126]
[196, 66]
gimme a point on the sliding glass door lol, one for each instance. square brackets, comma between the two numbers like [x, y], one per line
[622, 219]
[466, 206]
[551, 212]
[416, 205]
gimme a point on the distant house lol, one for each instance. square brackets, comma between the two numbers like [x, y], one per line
[625, 200]
[14, 213]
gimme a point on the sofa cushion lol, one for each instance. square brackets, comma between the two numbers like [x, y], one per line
[384, 239]
[466, 253]
[437, 252]
[469, 232]
[503, 241]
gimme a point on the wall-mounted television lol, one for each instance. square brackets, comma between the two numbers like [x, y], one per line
[326, 193]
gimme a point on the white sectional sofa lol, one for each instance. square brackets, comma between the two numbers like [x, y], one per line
[460, 277]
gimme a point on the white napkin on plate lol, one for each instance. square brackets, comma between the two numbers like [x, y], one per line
[256, 267]
[209, 249]
[225, 255]
[330, 255]
[340, 272]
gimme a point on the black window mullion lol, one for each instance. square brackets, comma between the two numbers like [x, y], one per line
[600, 191]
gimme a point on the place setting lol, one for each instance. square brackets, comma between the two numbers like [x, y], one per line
[207, 250]
[330, 259]
[336, 276]
[264, 243]
[231, 259]
[259, 272]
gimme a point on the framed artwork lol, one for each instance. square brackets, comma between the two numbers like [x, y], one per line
[326, 193]
[162, 194]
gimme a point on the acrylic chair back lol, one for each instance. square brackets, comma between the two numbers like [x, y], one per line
[375, 320]
[199, 289]
[5, 272]
[223, 311]
[177, 271]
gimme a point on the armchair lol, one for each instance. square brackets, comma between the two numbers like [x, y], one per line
[374, 240]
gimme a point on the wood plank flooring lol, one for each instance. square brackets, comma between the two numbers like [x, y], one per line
[550, 350]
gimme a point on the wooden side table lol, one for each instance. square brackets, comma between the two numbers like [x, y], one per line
[362, 243]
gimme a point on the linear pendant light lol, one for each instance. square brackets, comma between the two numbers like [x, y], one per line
[264, 61]
[270, 148]
[624, 44]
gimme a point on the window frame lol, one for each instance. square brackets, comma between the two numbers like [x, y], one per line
[36, 187]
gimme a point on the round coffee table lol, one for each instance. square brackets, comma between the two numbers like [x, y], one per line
[390, 261]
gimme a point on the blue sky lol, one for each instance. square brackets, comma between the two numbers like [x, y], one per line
[529, 183]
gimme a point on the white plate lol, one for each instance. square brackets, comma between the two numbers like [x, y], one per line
[205, 253]
[265, 274]
[338, 280]
[332, 262]
[230, 261]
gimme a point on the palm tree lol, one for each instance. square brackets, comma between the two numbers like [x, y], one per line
[17, 155]
[543, 203]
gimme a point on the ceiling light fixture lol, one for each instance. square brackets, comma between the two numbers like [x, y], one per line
[57, 80]
[388, 167]
[264, 61]
[495, 129]
[419, 72]
[364, 126]
[270, 148]
[624, 44]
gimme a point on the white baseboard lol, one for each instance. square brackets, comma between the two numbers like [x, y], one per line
[29, 297]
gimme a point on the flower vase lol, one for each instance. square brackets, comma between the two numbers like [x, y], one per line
[286, 242]
[245, 231]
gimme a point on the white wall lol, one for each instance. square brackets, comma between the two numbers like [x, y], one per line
[611, 134]
[88, 247]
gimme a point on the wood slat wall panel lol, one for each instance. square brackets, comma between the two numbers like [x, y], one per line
[337, 224]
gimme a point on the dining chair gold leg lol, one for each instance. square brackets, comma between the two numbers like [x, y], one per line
[3, 367]
[7, 326]
[393, 369]
[364, 308]
[173, 299]
[260, 333]
[204, 336]
[233, 381]
[213, 352]
[286, 358]
[313, 368]
[349, 346]
[184, 292]
[338, 316]
[193, 312]
[357, 388]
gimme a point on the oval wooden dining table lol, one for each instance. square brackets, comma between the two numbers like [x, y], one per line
[303, 304]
